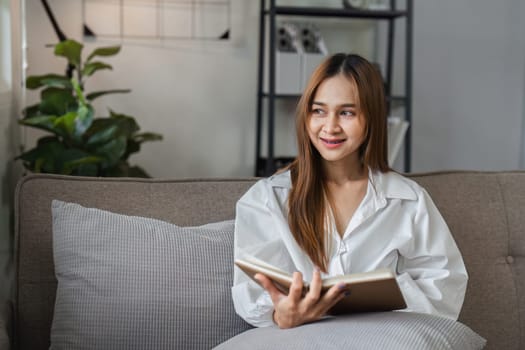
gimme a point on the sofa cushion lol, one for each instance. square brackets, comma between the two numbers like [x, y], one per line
[386, 330]
[128, 282]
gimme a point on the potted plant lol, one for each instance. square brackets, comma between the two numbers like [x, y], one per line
[80, 143]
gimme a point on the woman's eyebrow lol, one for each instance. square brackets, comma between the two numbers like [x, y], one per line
[353, 105]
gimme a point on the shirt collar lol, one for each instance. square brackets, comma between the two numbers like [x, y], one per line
[385, 185]
[281, 180]
[391, 185]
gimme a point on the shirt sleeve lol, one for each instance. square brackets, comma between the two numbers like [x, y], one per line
[431, 272]
[256, 235]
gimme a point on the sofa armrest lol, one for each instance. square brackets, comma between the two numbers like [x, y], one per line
[5, 326]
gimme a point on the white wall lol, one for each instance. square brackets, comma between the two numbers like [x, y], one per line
[469, 69]
[469, 62]
[199, 95]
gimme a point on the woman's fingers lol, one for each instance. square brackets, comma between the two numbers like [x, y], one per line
[331, 297]
[316, 304]
[335, 291]
[296, 289]
[295, 308]
[267, 284]
[314, 292]
[339, 292]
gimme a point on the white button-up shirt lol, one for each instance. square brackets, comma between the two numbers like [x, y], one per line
[396, 226]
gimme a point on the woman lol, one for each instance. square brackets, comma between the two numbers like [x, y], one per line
[339, 209]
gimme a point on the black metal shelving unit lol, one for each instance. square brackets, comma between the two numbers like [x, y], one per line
[265, 166]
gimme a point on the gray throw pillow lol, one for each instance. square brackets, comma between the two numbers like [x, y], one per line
[385, 330]
[128, 282]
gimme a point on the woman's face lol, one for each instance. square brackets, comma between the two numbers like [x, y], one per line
[336, 125]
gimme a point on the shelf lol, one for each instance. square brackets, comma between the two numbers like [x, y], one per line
[398, 99]
[336, 12]
[277, 163]
[284, 96]
[268, 164]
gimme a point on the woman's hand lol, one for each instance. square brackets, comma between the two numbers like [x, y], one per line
[295, 309]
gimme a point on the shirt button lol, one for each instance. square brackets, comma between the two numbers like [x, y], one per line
[510, 259]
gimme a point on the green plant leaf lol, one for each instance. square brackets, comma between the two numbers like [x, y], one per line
[47, 139]
[51, 80]
[33, 154]
[136, 171]
[44, 122]
[79, 167]
[104, 51]
[112, 151]
[83, 120]
[132, 147]
[87, 169]
[134, 143]
[120, 169]
[79, 91]
[31, 111]
[56, 101]
[93, 95]
[70, 49]
[124, 169]
[65, 124]
[67, 159]
[101, 136]
[42, 158]
[99, 125]
[127, 124]
[92, 67]
[147, 136]
[108, 128]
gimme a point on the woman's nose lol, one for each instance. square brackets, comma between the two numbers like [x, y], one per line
[332, 124]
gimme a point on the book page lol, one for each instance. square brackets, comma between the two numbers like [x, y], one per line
[375, 275]
[251, 266]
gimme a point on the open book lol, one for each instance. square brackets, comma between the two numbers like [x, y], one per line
[369, 291]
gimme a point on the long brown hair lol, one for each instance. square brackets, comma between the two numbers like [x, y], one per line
[306, 203]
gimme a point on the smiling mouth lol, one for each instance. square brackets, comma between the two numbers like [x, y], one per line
[333, 142]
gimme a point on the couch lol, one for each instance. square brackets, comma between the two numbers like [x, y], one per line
[485, 212]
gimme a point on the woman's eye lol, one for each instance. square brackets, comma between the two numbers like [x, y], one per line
[347, 113]
[317, 111]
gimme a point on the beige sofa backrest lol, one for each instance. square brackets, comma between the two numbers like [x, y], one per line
[485, 212]
[184, 203]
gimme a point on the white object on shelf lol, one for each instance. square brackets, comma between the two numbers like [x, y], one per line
[397, 129]
[314, 51]
[288, 59]
[287, 72]
[299, 50]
